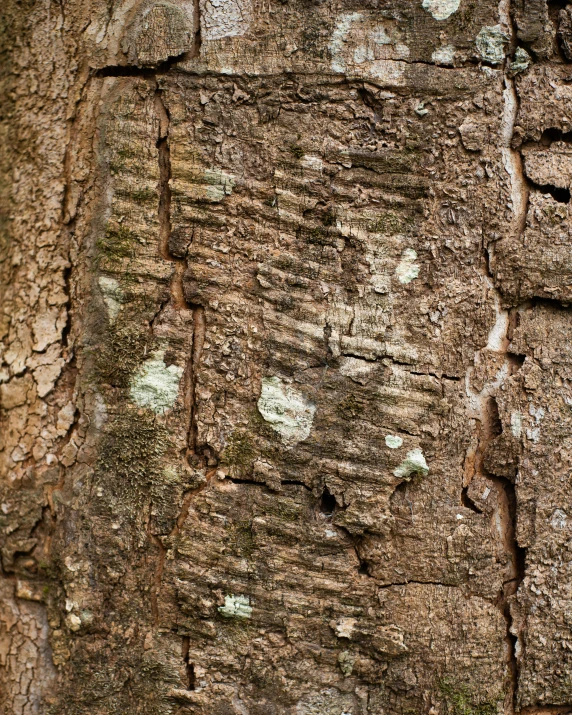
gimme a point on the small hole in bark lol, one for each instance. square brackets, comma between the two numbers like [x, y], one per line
[327, 503]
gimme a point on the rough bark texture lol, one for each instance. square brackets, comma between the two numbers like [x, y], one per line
[286, 360]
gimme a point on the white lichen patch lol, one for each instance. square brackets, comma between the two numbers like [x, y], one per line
[286, 409]
[490, 44]
[156, 385]
[112, 296]
[407, 269]
[414, 463]
[441, 9]
[393, 441]
[444, 55]
[236, 607]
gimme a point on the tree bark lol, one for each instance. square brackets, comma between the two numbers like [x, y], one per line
[285, 364]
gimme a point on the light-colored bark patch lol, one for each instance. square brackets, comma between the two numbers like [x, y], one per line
[441, 9]
[407, 269]
[112, 296]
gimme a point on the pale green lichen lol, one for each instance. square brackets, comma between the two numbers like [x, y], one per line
[407, 269]
[287, 410]
[520, 62]
[236, 607]
[112, 296]
[414, 463]
[441, 9]
[219, 184]
[490, 44]
[156, 385]
[393, 441]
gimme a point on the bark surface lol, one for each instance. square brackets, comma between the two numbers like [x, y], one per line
[286, 357]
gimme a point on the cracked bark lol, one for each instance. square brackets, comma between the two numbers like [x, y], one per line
[284, 373]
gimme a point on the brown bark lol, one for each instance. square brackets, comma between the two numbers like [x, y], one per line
[284, 363]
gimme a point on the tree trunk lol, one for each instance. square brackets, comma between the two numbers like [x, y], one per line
[285, 373]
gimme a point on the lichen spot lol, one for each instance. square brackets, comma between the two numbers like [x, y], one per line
[441, 9]
[414, 463]
[112, 296]
[393, 441]
[236, 607]
[156, 385]
[490, 44]
[286, 409]
[407, 269]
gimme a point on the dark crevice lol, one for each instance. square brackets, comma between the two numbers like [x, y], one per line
[467, 502]
[294, 482]
[437, 376]
[551, 303]
[356, 542]
[144, 72]
[253, 482]
[197, 457]
[327, 503]
[516, 361]
[327, 336]
[510, 587]
[67, 290]
[198, 36]
[189, 667]
[418, 583]
[495, 423]
[507, 512]
[553, 134]
[558, 193]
